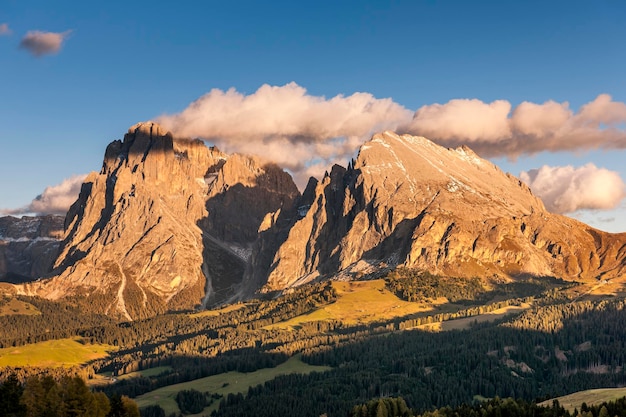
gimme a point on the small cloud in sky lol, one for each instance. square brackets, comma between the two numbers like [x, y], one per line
[41, 43]
[4, 29]
[55, 199]
[565, 189]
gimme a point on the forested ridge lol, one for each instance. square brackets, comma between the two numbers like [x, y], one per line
[559, 345]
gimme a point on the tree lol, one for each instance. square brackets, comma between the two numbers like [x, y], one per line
[191, 401]
[152, 411]
[10, 393]
[122, 406]
[42, 397]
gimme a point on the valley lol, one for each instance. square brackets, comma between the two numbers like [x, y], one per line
[492, 345]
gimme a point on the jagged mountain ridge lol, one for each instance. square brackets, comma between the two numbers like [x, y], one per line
[170, 223]
[146, 233]
[406, 201]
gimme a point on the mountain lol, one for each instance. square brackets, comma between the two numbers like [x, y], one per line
[169, 223]
[408, 202]
[166, 224]
[28, 246]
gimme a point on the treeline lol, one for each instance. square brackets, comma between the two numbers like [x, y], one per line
[57, 321]
[552, 318]
[584, 348]
[417, 286]
[67, 397]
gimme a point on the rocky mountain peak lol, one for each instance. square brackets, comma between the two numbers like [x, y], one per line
[167, 223]
[406, 201]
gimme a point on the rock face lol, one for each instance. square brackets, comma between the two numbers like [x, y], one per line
[169, 223]
[407, 201]
[166, 224]
[28, 246]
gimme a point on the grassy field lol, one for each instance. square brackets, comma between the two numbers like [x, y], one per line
[224, 384]
[53, 353]
[591, 397]
[14, 307]
[466, 322]
[361, 302]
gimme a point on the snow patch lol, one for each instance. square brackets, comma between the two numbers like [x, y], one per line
[468, 157]
[25, 239]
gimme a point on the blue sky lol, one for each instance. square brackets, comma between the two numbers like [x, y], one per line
[124, 62]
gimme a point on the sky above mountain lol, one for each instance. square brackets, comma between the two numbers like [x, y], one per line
[535, 86]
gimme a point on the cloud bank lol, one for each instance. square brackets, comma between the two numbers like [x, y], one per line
[286, 125]
[4, 29]
[55, 199]
[567, 189]
[495, 129]
[307, 134]
[41, 43]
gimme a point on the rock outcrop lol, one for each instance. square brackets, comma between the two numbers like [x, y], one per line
[167, 223]
[407, 201]
[28, 246]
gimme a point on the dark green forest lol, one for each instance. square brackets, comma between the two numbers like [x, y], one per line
[43, 396]
[558, 346]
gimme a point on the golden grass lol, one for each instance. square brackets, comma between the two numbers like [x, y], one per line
[591, 397]
[592, 289]
[361, 302]
[15, 307]
[466, 322]
[224, 384]
[53, 354]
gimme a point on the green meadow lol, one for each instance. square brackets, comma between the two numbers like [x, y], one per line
[591, 397]
[361, 302]
[53, 353]
[224, 384]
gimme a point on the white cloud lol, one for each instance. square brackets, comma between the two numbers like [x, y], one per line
[307, 134]
[41, 43]
[287, 125]
[4, 29]
[567, 189]
[55, 199]
[472, 120]
[491, 129]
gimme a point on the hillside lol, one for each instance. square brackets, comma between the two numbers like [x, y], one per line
[556, 338]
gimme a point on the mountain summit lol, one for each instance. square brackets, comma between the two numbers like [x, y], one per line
[167, 223]
[170, 223]
[408, 202]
